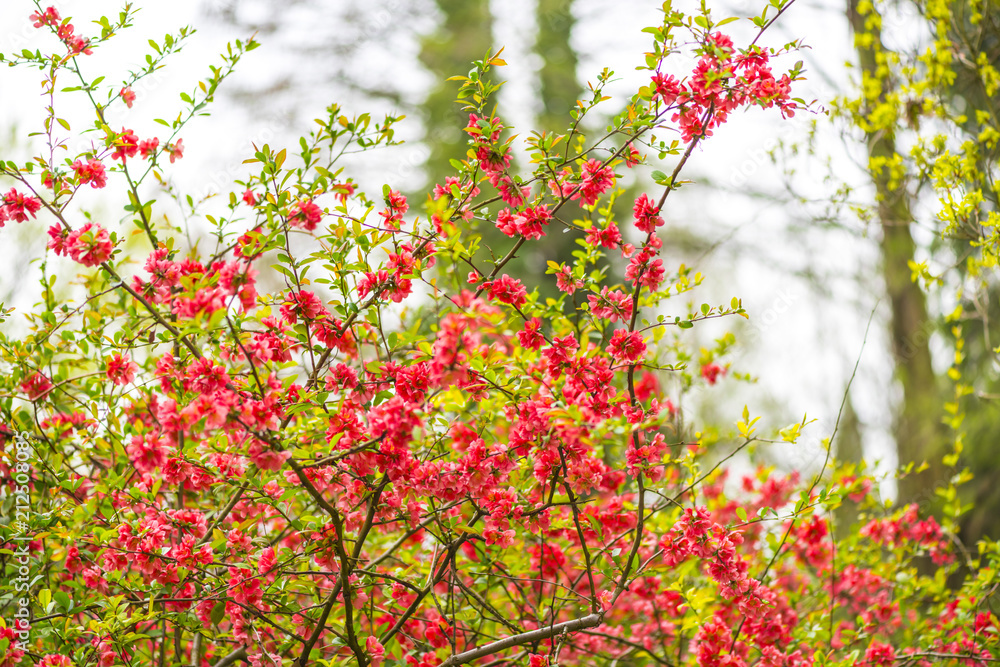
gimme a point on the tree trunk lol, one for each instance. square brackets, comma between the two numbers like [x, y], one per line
[919, 433]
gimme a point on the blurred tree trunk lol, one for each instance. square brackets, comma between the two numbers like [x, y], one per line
[559, 87]
[465, 35]
[849, 450]
[919, 432]
[976, 41]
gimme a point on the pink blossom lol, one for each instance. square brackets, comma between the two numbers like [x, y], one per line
[611, 305]
[176, 150]
[305, 214]
[711, 372]
[507, 290]
[126, 144]
[90, 245]
[49, 17]
[646, 214]
[121, 369]
[147, 147]
[375, 650]
[91, 172]
[531, 337]
[626, 346]
[18, 207]
[36, 386]
[527, 223]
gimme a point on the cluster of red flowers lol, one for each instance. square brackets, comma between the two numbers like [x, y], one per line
[121, 369]
[527, 222]
[18, 207]
[494, 159]
[721, 82]
[91, 171]
[455, 191]
[647, 217]
[126, 144]
[595, 178]
[611, 305]
[907, 527]
[74, 42]
[89, 245]
[305, 214]
[395, 207]
[36, 386]
[190, 288]
[507, 290]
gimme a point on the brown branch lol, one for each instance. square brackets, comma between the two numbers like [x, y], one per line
[591, 621]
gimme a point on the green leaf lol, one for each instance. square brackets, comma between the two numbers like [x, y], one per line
[218, 613]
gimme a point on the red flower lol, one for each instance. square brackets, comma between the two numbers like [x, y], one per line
[37, 386]
[668, 87]
[249, 198]
[128, 96]
[984, 621]
[611, 305]
[375, 649]
[77, 44]
[609, 237]
[91, 172]
[303, 304]
[711, 372]
[527, 223]
[632, 156]
[531, 337]
[305, 214]
[626, 346]
[596, 179]
[121, 369]
[565, 280]
[147, 147]
[646, 215]
[126, 144]
[176, 150]
[507, 290]
[396, 206]
[646, 272]
[50, 17]
[18, 207]
[648, 386]
[880, 655]
[90, 245]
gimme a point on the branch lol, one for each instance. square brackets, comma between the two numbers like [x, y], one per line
[591, 621]
[238, 654]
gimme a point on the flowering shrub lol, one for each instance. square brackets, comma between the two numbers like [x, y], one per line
[241, 450]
